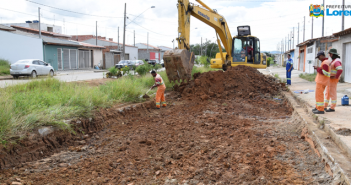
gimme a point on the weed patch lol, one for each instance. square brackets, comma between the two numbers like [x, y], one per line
[4, 67]
[308, 77]
[51, 102]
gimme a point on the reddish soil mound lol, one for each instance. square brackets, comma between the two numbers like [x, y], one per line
[35, 146]
[240, 81]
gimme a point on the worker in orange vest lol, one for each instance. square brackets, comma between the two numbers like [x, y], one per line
[161, 87]
[336, 71]
[322, 80]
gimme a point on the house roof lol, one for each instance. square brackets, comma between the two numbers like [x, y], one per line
[43, 32]
[341, 33]
[6, 28]
[150, 46]
[87, 45]
[115, 42]
[164, 47]
[49, 40]
[330, 38]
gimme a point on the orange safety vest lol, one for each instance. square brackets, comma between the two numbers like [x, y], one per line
[324, 78]
[334, 69]
[161, 80]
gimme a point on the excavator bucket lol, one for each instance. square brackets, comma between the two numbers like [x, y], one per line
[179, 64]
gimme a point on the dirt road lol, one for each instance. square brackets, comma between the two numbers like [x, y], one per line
[214, 131]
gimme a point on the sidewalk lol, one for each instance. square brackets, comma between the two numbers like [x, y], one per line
[340, 119]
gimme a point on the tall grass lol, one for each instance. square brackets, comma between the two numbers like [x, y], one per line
[51, 102]
[4, 67]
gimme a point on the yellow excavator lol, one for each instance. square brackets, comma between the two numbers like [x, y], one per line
[243, 49]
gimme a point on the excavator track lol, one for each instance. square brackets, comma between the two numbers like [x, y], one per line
[179, 64]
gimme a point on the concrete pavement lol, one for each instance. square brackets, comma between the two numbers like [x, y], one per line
[333, 121]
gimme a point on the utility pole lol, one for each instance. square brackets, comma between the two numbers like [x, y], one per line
[39, 22]
[124, 32]
[323, 21]
[312, 29]
[201, 47]
[134, 38]
[304, 28]
[298, 32]
[288, 42]
[118, 39]
[96, 33]
[147, 42]
[343, 16]
[293, 37]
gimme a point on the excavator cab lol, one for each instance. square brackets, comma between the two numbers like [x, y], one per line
[246, 49]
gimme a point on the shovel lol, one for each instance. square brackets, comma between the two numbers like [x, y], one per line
[145, 95]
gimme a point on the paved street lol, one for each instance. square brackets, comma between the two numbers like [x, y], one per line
[67, 77]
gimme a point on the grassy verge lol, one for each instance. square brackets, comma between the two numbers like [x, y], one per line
[309, 77]
[4, 67]
[50, 101]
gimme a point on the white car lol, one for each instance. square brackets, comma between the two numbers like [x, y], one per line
[31, 67]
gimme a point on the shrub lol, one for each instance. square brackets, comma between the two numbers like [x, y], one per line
[113, 71]
[126, 70]
[4, 67]
[143, 69]
[157, 67]
[269, 61]
[204, 62]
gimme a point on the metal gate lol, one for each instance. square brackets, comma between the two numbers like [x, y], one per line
[302, 59]
[66, 59]
[73, 58]
[109, 60]
[59, 59]
[117, 58]
[69, 59]
[84, 59]
[347, 62]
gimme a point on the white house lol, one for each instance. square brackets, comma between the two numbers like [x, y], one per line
[343, 45]
[16, 47]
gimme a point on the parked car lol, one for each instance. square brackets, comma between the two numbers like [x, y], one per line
[153, 62]
[31, 67]
[130, 63]
[162, 63]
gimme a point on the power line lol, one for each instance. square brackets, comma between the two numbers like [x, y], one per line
[71, 11]
[151, 31]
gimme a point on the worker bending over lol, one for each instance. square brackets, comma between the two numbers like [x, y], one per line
[336, 70]
[161, 87]
[322, 80]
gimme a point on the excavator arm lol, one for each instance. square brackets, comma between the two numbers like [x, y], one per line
[179, 62]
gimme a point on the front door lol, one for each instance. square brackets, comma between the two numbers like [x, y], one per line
[347, 62]
[302, 59]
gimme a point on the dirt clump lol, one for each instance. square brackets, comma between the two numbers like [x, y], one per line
[240, 81]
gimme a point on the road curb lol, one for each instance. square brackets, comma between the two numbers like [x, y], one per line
[334, 156]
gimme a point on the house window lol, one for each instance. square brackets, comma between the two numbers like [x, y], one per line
[309, 50]
[50, 29]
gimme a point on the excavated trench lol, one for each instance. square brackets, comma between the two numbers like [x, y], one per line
[231, 127]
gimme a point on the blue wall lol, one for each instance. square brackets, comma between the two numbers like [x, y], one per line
[50, 54]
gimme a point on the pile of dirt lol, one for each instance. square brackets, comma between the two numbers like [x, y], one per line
[240, 81]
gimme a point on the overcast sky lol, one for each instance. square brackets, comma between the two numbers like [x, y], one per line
[270, 21]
